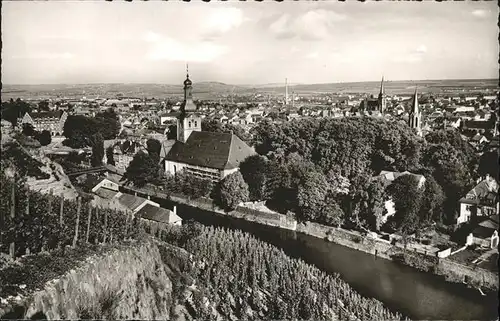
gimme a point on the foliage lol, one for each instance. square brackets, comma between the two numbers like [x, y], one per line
[154, 148]
[217, 127]
[97, 144]
[189, 185]
[248, 279]
[432, 202]
[406, 195]
[142, 169]
[79, 129]
[43, 105]
[110, 159]
[231, 191]
[13, 110]
[28, 130]
[37, 220]
[14, 155]
[45, 138]
[488, 164]
[254, 171]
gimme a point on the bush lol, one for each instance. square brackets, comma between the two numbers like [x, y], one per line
[44, 138]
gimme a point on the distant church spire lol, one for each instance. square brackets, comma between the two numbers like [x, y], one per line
[188, 121]
[415, 116]
[381, 97]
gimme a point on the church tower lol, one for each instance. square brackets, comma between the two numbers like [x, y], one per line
[381, 98]
[188, 120]
[415, 117]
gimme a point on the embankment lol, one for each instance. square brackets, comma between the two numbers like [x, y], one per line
[127, 282]
[450, 270]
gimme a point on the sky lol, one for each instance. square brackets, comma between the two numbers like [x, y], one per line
[76, 42]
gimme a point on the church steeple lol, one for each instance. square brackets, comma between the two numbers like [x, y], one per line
[381, 97]
[415, 116]
[188, 120]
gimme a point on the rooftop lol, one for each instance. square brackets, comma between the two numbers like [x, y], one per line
[158, 214]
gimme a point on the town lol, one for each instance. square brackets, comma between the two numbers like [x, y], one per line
[219, 201]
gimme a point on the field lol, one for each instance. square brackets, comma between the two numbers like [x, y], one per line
[214, 90]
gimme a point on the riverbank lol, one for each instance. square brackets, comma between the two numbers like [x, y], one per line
[451, 271]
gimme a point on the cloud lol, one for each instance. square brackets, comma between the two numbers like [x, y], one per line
[222, 20]
[311, 25]
[165, 48]
[421, 49]
[480, 13]
[313, 55]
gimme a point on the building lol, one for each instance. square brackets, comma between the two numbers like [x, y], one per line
[415, 117]
[204, 154]
[485, 234]
[482, 200]
[146, 210]
[52, 121]
[375, 104]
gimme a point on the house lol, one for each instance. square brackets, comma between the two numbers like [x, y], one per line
[486, 233]
[159, 215]
[482, 200]
[478, 140]
[52, 121]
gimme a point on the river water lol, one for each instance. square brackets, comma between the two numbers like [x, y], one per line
[416, 294]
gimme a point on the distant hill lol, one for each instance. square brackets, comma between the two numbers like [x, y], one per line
[213, 89]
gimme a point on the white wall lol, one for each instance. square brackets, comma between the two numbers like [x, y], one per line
[465, 213]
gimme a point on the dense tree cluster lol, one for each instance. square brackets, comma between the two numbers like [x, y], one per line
[143, 169]
[78, 129]
[188, 184]
[231, 191]
[43, 137]
[323, 169]
[14, 110]
[244, 278]
[218, 127]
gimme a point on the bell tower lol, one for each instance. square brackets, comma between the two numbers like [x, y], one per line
[188, 120]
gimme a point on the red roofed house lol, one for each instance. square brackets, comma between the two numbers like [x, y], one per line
[52, 121]
[204, 154]
[482, 200]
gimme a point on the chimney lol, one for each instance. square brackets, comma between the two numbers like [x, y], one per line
[175, 210]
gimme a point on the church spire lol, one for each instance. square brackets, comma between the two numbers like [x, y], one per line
[187, 70]
[382, 86]
[415, 103]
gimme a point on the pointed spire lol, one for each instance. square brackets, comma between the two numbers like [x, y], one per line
[382, 86]
[187, 70]
[415, 102]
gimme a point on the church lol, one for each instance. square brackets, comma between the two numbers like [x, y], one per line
[375, 104]
[206, 155]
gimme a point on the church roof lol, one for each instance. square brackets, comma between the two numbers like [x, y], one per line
[212, 150]
[47, 114]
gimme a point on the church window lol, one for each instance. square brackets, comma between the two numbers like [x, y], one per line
[195, 123]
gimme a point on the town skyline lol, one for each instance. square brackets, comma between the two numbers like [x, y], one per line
[245, 44]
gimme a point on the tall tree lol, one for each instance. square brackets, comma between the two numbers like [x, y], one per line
[232, 190]
[97, 144]
[110, 155]
[142, 170]
[45, 138]
[154, 148]
[406, 195]
[253, 169]
[432, 202]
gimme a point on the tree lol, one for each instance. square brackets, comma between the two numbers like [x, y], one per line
[212, 126]
[311, 195]
[108, 123]
[43, 105]
[488, 164]
[172, 131]
[28, 130]
[406, 195]
[110, 155]
[45, 138]
[253, 169]
[142, 170]
[97, 144]
[372, 204]
[154, 148]
[432, 202]
[232, 190]
[14, 109]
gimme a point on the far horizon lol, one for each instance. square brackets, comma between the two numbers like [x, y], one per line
[245, 43]
[257, 84]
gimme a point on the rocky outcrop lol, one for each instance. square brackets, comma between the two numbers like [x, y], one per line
[128, 283]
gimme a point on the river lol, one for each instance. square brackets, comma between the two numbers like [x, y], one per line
[416, 294]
